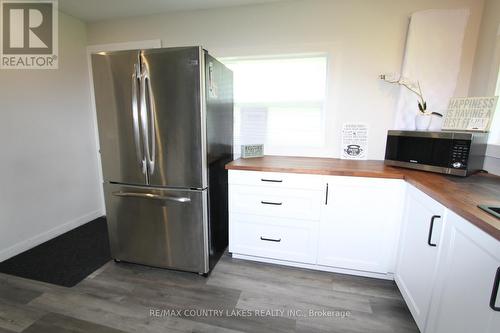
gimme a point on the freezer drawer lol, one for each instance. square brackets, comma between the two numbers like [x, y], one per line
[158, 227]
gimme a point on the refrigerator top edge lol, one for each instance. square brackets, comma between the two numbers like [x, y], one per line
[152, 50]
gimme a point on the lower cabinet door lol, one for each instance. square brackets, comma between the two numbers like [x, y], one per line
[467, 296]
[419, 248]
[274, 238]
[360, 223]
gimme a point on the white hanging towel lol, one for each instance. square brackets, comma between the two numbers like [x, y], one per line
[432, 56]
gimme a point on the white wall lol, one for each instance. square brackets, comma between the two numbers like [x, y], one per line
[48, 170]
[485, 75]
[364, 38]
[485, 70]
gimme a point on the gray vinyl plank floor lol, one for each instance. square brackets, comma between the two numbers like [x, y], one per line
[239, 296]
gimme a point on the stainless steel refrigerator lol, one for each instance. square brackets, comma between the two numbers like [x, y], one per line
[165, 119]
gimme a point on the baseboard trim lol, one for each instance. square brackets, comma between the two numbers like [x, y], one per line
[388, 276]
[47, 235]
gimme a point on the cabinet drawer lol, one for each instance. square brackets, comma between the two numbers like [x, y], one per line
[290, 203]
[276, 179]
[267, 237]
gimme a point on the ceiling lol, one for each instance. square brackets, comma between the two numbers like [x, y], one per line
[96, 10]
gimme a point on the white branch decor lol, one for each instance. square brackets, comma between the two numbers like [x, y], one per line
[413, 86]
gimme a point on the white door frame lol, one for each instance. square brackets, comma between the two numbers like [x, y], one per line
[92, 49]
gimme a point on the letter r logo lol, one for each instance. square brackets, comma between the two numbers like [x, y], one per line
[27, 27]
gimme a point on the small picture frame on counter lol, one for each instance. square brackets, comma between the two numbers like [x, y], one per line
[252, 151]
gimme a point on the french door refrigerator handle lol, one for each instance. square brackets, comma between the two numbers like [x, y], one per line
[151, 196]
[135, 119]
[145, 115]
[148, 115]
[152, 115]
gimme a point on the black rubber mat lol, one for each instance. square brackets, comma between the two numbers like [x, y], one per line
[66, 259]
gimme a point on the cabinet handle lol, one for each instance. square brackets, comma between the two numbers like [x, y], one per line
[494, 292]
[271, 203]
[272, 180]
[270, 239]
[326, 195]
[431, 227]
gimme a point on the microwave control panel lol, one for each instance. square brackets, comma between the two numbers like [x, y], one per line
[460, 154]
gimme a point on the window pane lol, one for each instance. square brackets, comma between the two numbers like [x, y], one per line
[279, 101]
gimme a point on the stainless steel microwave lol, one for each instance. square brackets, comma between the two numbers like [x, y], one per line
[454, 153]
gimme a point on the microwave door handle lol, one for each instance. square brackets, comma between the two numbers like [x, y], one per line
[135, 120]
[152, 120]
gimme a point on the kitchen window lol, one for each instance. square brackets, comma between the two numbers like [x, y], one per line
[279, 102]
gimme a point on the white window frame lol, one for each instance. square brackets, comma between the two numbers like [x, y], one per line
[333, 76]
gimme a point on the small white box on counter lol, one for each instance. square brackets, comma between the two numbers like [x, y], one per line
[249, 151]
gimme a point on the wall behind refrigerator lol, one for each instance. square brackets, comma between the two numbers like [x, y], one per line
[363, 38]
[48, 171]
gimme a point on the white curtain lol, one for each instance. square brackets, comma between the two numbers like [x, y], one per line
[432, 56]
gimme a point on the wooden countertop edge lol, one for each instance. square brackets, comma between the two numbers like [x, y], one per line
[350, 173]
[454, 205]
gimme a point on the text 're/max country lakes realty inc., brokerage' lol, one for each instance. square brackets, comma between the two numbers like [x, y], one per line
[313, 313]
[29, 34]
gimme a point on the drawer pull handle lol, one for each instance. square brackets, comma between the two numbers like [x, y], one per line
[270, 239]
[494, 292]
[431, 227]
[272, 180]
[271, 203]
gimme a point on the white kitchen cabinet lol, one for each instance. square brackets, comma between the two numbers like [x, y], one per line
[418, 252]
[279, 202]
[274, 215]
[466, 279]
[333, 223]
[360, 223]
[273, 238]
[276, 179]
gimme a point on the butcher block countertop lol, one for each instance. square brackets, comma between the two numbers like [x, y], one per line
[461, 195]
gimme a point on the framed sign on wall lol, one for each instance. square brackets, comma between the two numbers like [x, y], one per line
[354, 141]
[470, 114]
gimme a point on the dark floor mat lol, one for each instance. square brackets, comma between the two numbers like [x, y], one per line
[66, 259]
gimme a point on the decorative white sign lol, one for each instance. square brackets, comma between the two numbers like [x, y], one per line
[250, 151]
[354, 141]
[470, 114]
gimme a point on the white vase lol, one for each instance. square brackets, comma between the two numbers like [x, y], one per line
[423, 121]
